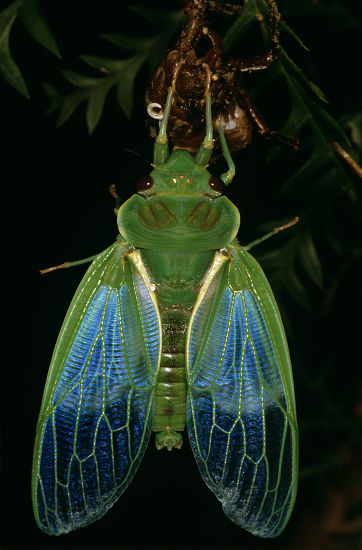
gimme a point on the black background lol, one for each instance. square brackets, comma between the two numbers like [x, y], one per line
[56, 206]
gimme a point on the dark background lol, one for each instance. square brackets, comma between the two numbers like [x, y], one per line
[56, 205]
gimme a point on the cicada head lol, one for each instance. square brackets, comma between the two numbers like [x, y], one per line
[180, 204]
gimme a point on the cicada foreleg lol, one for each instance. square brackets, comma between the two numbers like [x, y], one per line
[228, 176]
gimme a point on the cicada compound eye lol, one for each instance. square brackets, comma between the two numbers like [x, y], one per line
[216, 184]
[144, 184]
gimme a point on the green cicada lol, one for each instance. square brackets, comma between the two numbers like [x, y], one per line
[173, 325]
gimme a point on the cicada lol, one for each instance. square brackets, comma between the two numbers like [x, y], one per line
[173, 326]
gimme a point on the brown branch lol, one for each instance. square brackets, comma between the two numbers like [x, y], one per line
[355, 167]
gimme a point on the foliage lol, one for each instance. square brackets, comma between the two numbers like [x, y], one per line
[30, 15]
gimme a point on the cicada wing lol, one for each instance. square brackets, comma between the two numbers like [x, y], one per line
[97, 409]
[241, 413]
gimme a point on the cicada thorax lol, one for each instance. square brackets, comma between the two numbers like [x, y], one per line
[180, 212]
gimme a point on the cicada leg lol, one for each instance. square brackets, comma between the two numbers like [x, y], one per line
[263, 61]
[226, 178]
[113, 191]
[65, 265]
[261, 125]
[272, 233]
[192, 32]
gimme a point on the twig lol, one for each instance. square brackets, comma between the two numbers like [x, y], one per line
[355, 167]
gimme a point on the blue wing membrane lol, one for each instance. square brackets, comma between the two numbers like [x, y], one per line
[237, 414]
[97, 425]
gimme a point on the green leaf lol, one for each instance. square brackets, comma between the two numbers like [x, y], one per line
[107, 66]
[330, 227]
[339, 15]
[135, 44]
[332, 128]
[293, 68]
[160, 18]
[279, 265]
[37, 27]
[271, 260]
[126, 83]
[54, 96]
[285, 27]
[306, 112]
[8, 68]
[243, 22]
[240, 26]
[353, 122]
[68, 105]
[304, 180]
[120, 72]
[81, 81]
[309, 258]
[95, 105]
[295, 288]
[152, 47]
[94, 91]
